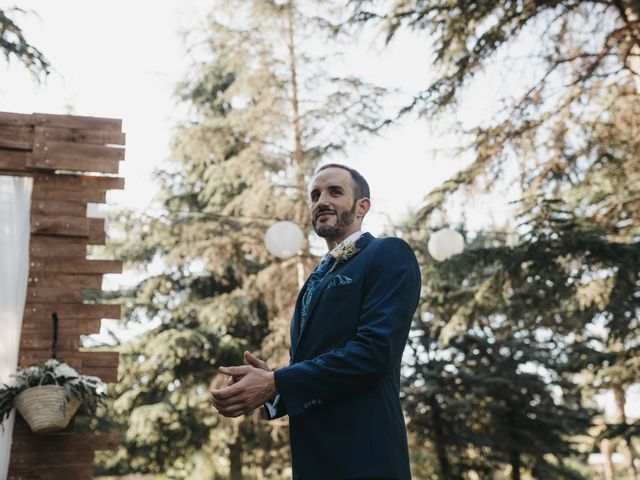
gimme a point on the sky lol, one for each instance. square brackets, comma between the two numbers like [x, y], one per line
[122, 59]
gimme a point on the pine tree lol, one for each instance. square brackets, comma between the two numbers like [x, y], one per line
[484, 388]
[572, 275]
[14, 44]
[262, 115]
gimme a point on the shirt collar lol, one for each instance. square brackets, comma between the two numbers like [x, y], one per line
[350, 239]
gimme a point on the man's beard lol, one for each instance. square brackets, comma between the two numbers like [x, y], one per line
[345, 219]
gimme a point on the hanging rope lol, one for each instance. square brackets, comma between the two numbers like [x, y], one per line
[54, 344]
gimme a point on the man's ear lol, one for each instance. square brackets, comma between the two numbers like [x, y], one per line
[363, 205]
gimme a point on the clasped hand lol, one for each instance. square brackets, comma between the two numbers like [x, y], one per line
[249, 386]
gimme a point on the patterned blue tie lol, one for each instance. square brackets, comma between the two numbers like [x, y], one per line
[314, 280]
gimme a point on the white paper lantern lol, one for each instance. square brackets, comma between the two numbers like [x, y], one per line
[284, 239]
[445, 243]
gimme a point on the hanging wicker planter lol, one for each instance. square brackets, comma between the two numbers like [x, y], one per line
[45, 408]
[49, 394]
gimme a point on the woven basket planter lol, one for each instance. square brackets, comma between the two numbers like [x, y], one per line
[43, 408]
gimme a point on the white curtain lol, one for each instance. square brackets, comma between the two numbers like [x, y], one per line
[15, 206]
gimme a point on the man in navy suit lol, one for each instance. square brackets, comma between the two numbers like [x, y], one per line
[348, 332]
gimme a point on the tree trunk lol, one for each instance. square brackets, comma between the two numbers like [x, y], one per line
[441, 453]
[606, 447]
[298, 164]
[235, 459]
[514, 454]
[295, 105]
[514, 457]
[630, 12]
[619, 396]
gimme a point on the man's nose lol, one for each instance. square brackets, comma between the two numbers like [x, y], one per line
[323, 200]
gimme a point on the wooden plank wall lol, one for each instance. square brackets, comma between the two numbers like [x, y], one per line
[73, 161]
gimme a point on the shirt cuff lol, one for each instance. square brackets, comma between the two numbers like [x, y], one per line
[272, 406]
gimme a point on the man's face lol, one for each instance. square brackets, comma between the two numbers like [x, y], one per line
[333, 206]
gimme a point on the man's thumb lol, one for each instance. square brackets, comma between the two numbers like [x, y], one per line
[254, 361]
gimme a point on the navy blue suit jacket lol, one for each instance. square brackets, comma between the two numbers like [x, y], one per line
[341, 389]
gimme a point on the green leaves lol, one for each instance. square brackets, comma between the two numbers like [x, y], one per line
[7, 397]
[532, 328]
[14, 45]
[90, 390]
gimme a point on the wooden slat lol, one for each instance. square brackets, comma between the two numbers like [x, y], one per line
[46, 446]
[23, 434]
[55, 451]
[67, 226]
[13, 160]
[45, 465]
[20, 137]
[99, 359]
[66, 341]
[38, 356]
[97, 233]
[37, 327]
[100, 364]
[82, 326]
[19, 161]
[73, 182]
[54, 295]
[57, 280]
[43, 322]
[59, 207]
[15, 119]
[81, 194]
[75, 151]
[55, 246]
[74, 121]
[58, 161]
[43, 473]
[80, 135]
[33, 310]
[106, 374]
[75, 266]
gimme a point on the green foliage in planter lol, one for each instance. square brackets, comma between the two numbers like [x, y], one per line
[88, 389]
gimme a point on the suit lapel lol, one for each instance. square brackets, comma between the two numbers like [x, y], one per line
[361, 244]
[295, 322]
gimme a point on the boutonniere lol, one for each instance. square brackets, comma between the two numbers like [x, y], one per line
[343, 253]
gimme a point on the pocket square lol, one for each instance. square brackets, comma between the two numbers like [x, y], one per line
[339, 280]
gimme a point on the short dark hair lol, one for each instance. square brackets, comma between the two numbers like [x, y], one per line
[360, 185]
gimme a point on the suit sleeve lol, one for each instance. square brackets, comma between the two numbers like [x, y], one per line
[392, 289]
[275, 408]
